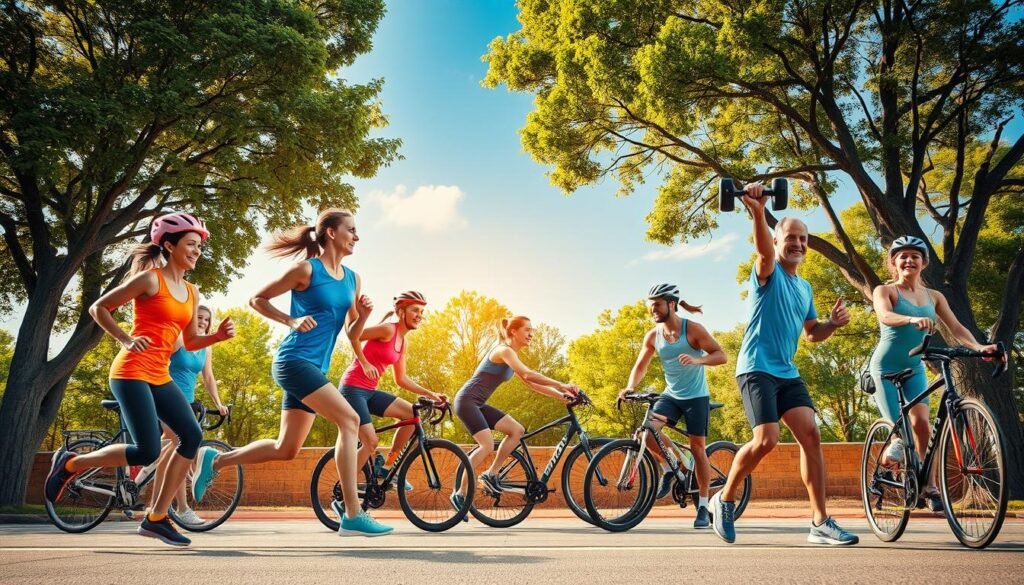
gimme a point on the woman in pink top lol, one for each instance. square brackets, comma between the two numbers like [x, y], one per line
[385, 346]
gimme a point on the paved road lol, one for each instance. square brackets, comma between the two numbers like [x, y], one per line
[538, 551]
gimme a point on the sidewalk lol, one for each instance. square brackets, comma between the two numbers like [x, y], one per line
[756, 510]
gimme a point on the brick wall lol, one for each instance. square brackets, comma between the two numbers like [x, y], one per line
[286, 483]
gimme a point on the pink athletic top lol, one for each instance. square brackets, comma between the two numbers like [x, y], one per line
[379, 353]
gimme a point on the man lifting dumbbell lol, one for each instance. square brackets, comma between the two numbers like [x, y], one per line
[728, 193]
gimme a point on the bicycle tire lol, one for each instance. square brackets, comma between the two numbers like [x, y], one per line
[489, 508]
[74, 495]
[572, 491]
[886, 520]
[325, 487]
[221, 499]
[614, 471]
[425, 497]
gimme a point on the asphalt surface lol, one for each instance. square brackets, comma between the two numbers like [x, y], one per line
[541, 550]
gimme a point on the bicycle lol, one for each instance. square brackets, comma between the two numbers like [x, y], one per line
[433, 460]
[521, 489]
[973, 471]
[92, 494]
[620, 504]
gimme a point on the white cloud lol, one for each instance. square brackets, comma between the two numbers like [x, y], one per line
[717, 248]
[430, 207]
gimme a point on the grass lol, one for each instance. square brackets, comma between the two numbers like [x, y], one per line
[1015, 506]
[23, 509]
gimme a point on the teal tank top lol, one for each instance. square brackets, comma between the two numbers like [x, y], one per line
[681, 382]
[185, 367]
[895, 342]
[327, 300]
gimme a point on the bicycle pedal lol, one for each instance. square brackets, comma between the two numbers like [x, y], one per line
[128, 514]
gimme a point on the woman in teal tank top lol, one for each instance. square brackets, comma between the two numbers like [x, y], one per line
[325, 300]
[906, 311]
[185, 368]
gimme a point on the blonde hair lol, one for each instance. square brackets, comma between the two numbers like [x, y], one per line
[508, 325]
[307, 239]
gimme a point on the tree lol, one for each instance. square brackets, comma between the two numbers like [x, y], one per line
[825, 92]
[113, 113]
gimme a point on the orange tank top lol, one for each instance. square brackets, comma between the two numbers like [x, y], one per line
[161, 318]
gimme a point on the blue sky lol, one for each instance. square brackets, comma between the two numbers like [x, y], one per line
[469, 209]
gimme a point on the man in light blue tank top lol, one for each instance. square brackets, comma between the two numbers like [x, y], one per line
[781, 306]
[684, 348]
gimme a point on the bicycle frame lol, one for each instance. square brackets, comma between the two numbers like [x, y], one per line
[418, 438]
[948, 409]
[640, 435]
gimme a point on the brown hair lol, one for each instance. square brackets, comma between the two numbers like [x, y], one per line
[210, 324]
[148, 256]
[307, 239]
[508, 325]
[690, 308]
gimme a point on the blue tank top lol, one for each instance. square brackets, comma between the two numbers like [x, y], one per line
[895, 342]
[777, 311]
[185, 368]
[681, 382]
[486, 379]
[327, 300]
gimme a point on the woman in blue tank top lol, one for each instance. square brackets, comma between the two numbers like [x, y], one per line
[480, 418]
[324, 296]
[906, 311]
[185, 367]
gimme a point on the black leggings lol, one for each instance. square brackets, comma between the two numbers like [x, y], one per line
[142, 404]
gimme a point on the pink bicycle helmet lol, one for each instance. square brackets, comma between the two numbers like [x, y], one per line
[173, 223]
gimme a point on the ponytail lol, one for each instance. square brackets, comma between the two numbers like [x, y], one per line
[690, 308]
[146, 257]
[308, 240]
[508, 325]
[294, 242]
[389, 315]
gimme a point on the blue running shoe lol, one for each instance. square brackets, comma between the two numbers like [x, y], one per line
[59, 476]
[362, 525]
[723, 517]
[703, 519]
[162, 530]
[457, 501]
[666, 484]
[828, 532]
[205, 474]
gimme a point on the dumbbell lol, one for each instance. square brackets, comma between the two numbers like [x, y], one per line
[727, 194]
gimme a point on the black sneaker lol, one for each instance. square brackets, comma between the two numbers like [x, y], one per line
[163, 530]
[490, 483]
[59, 476]
[666, 484]
[934, 502]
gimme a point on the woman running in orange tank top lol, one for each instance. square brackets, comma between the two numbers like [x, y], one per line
[164, 307]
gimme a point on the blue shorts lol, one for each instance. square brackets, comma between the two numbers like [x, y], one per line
[695, 411]
[366, 402]
[298, 379]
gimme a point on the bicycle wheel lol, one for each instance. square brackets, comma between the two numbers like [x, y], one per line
[221, 498]
[325, 487]
[88, 498]
[973, 475]
[434, 473]
[721, 455]
[883, 488]
[510, 506]
[574, 471]
[620, 485]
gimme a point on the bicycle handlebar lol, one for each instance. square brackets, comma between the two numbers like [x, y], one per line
[201, 412]
[959, 353]
[634, 397]
[445, 407]
[580, 399]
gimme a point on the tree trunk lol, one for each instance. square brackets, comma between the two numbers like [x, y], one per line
[35, 388]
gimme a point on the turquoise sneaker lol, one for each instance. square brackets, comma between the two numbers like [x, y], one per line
[205, 474]
[362, 525]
